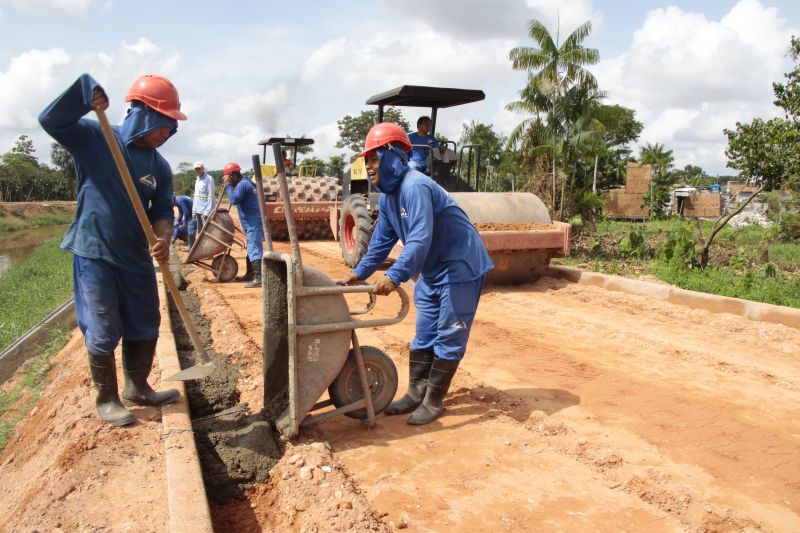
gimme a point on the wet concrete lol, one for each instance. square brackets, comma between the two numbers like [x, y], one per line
[236, 449]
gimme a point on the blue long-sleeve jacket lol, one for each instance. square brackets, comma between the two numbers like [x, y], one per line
[105, 225]
[245, 198]
[184, 204]
[439, 241]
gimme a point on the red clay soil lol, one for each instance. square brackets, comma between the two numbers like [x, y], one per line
[509, 226]
[575, 409]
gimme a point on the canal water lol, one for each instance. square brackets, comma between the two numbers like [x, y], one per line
[17, 246]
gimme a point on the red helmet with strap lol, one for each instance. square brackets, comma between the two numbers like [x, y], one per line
[230, 168]
[383, 134]
[158, 93]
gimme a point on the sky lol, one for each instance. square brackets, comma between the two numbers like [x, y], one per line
[249, 70]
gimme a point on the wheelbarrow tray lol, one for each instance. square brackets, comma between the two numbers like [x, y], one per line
[216, 236]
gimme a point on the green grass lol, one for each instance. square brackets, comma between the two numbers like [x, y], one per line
[785, 256]
[764, 284]
[16, 402]
[32, 290]
[45, 219]
[745, 263]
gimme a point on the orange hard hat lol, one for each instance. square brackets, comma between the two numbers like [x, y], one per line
[231, 168]
[383, 134]
[158, 93]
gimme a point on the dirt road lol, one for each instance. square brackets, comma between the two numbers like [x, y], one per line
[577, 408]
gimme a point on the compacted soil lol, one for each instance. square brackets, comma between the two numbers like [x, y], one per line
[575, 409]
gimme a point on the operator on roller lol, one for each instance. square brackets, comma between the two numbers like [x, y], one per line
[243, 195]
[114, 281]
[439, 243]
[422, 141]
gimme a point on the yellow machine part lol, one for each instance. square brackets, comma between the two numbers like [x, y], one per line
[358, 170]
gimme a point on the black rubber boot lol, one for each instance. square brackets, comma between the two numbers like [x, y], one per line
[248, 276]
[419, 367]
[256, 282]
[137, 361]
[432, 407]
[104, 375]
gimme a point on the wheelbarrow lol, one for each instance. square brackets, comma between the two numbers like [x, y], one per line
[310, 341]
[214, 241]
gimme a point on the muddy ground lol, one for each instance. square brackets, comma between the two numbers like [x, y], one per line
[575, 408]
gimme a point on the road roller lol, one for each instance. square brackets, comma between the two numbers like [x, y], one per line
[516, 228]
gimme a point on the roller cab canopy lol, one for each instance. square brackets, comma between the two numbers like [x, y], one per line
[292, 143]
[422, 96]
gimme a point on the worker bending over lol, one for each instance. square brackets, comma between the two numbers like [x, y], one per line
[243, 195]
[116, 296]
[439, 243]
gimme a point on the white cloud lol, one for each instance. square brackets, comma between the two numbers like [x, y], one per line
[479, 19]
[688, 77]
[71, 8]
[142, 47]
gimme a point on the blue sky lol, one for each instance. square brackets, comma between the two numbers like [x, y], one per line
[250, 70]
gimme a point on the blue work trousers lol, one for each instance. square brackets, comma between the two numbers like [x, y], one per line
[444, 316]
[111, 303]
[255, 246]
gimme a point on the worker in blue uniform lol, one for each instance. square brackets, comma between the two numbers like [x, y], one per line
[114, 279]
[243, 195]
[443, 247]
[183, 227]
[422, 141]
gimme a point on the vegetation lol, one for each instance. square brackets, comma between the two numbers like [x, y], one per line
[23, 178]
[17, 401]
[748, 262]
[32, 290]
[60, 217]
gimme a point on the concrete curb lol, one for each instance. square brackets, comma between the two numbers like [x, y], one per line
[788, 316]
[186, 494]
[36, 338]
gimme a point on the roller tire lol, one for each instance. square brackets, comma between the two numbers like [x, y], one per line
[355, 229]
[305, 189]
[381, 377]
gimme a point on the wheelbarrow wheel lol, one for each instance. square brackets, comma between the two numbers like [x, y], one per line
[381, 376]
[228, 265]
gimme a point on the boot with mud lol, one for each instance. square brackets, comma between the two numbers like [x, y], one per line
[256, 283]
[247, 276]
[104, 375]
[419, 367]
[432, 407]
[137, 361]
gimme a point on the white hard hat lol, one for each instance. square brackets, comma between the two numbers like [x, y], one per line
[199, 164]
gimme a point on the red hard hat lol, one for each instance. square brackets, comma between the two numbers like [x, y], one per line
[383, 134]
[230, 168]
[158, 93]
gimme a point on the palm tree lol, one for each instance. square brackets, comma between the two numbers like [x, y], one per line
[655, 155]
[558, 94]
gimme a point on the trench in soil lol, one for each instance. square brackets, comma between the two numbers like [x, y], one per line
[236, 449]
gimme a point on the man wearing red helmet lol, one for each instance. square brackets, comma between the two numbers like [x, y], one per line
[113, 276]
[439, 243]
[243, 195]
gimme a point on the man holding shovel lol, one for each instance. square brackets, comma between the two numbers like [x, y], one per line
[114, 280]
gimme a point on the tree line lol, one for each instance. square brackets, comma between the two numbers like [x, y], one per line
[24, 179]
